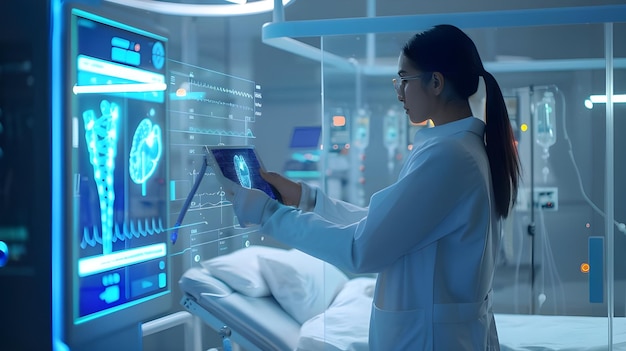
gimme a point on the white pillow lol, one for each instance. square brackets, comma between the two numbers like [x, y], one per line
[345, 324]
[240, 269]
[302, 284]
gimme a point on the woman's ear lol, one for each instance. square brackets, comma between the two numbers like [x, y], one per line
[438, 82]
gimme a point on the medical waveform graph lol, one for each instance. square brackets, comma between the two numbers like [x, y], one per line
[125, 231]
[209, 86]
[189, 128]
[221, 132]
[101, 134]
[206, 200]
[211, 196]
[214, 93]
[224, 103]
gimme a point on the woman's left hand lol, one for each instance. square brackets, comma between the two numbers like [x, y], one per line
[290, 191]
[249, 205]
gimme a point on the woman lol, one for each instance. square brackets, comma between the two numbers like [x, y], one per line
[433, 235]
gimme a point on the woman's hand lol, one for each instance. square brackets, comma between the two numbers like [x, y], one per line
[289, 190]
[251, 206]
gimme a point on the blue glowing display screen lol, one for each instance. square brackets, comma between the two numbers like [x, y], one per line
[305, 137]
[242, 166]
[119, 165]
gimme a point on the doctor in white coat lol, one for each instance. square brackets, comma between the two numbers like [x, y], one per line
[433, 235]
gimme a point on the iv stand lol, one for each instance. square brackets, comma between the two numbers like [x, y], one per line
[531, 225]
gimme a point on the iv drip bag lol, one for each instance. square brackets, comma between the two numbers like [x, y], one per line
[545, 121]
[391, 130]
[361, 129]
[391, 137]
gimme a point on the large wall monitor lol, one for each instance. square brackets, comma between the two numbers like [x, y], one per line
[118, 179]
[137, 126]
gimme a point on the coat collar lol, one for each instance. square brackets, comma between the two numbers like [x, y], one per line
[469, 124]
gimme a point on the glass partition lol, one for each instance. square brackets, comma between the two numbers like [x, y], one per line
[555, 276]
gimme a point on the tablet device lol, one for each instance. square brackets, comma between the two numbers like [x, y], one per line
[242, 165]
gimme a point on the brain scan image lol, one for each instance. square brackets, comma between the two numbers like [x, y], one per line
[145, 152]
[243, 173]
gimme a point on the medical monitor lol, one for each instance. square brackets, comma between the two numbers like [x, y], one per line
[306, 137]
[117, 253]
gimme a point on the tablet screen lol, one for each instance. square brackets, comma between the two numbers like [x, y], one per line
[242, 167]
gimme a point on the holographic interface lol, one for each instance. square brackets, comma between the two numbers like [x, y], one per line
[119, 166]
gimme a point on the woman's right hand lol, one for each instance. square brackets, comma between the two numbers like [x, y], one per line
[289, 190]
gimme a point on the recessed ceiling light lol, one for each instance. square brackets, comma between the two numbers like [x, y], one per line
[237, 8]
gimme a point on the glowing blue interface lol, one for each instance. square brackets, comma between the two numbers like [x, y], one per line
[207, 108]
[242, 167]
[119, 166]
[306, 137]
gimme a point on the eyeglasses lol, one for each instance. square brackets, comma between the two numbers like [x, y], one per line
[398, 82]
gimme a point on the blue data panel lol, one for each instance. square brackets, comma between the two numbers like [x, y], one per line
[596, 269]
[119, 166]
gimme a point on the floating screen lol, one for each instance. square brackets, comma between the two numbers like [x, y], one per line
[207, 108]
[118, 164]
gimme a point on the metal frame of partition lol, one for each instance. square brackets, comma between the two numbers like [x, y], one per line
[281, 34]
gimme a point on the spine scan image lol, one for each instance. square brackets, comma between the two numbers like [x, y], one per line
[101, 134]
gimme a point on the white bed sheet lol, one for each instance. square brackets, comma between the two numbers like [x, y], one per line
[521, 332]
[267, 326]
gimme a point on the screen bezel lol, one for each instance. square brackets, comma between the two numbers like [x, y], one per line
[130, 317]
[222, 178]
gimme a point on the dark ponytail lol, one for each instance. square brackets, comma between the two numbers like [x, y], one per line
[448, 50]
[501, 147]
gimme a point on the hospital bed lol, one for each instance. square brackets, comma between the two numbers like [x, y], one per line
[258, 318]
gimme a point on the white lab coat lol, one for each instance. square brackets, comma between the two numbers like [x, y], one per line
[432, 236]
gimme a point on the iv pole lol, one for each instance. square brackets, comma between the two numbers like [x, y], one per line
[531, 225]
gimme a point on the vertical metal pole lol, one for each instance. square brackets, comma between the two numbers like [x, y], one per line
[189, 40]
[279, 11]
[609, 180]
[531, 225]
[371, 37]
[358, 91]
[324, 120]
